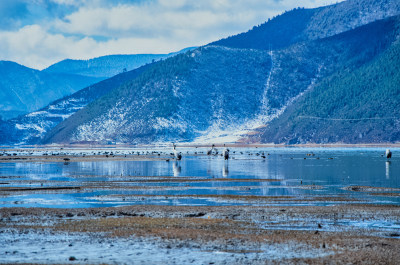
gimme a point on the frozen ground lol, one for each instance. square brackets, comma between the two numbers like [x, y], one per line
[200, 235]
[45, 247]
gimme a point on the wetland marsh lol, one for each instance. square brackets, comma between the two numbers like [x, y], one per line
[317, 203]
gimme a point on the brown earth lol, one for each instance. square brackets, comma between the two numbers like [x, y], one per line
[235, 228]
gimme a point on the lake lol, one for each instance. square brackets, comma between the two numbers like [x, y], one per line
[286, 176]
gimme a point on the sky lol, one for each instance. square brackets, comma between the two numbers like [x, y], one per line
[38, 33]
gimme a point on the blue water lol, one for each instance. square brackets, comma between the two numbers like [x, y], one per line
[331, 169]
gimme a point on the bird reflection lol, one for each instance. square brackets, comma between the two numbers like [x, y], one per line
[387, 169]
[225, 170]
[176, 168]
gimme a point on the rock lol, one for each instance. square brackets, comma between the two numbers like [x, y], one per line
[195, 215]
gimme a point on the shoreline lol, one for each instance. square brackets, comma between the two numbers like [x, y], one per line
[68, 154]
[191, 145]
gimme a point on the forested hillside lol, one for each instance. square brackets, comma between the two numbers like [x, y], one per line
[359, 106]
[310, 24]
[30, 128]
[221, 92]
[175, 99]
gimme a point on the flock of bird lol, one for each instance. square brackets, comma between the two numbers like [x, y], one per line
[214, 151]
[176, 154]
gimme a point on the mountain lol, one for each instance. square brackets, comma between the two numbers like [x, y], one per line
[240, 86]
[220, 92]
[107, 66]
[24, 89]
[360, 106]
[30, 128]
[160, 100]
[310, 24]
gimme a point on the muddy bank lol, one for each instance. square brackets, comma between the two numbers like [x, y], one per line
[367, 234]
[73, 158]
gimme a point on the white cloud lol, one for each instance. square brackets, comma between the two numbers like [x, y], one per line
[67, 2]
[157, 26]
[162, 17]
[35, 47]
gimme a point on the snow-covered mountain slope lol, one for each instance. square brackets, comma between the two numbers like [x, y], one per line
[161, 101]
[30, 128]
[217, 93]
[23, 89]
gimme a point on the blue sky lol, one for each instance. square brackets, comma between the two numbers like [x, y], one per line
[38, 33]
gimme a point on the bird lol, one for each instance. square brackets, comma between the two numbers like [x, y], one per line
[209, 152]
[226, 153]
[388, 154]
[177, 155]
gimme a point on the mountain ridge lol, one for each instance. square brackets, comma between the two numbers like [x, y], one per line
[109, 65]
[348, 107]
[23, 89]
[167, 91]
[235, 103]
[30, 128]
[301, 24]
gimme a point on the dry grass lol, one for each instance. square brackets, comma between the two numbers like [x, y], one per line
[233, 228]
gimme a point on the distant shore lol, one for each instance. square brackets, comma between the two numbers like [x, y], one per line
[203, 145]
[160, 152]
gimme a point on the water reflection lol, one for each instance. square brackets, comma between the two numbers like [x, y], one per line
[346, 168]
[291, 167]
[387, 169]
[225, 170]
[176, 168]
